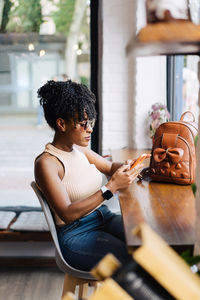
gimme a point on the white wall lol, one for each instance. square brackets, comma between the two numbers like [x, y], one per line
[118, 25]
[129, 86]
[150, 88]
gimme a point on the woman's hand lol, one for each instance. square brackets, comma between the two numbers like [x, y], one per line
[123, 177]
[130, 162]
[138, 161]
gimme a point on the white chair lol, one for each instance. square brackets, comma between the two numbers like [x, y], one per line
[73, 277]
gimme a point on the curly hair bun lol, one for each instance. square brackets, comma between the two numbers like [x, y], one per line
[66, 99]
[46, 92]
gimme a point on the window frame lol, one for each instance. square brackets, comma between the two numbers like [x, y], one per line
[96, 70]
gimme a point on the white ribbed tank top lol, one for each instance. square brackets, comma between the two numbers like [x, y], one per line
[81, 178]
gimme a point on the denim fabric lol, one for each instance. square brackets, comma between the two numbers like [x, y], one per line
[87, 240]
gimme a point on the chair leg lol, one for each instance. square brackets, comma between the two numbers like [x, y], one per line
[70, 283]
[83, 291]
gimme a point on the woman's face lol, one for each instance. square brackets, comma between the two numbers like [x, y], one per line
[80, 133]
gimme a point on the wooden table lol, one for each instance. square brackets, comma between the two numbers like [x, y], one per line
[168, 208]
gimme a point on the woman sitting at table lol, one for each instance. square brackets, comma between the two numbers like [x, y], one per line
[70, 177]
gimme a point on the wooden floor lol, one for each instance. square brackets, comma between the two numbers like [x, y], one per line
[30, 283]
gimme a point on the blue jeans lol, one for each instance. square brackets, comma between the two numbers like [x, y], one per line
[87, 240]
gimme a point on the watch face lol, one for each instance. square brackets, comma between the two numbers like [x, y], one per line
[107, 195]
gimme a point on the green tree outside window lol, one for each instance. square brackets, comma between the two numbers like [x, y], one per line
[26, 16]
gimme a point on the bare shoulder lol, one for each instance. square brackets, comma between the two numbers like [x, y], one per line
[45, 159]
[46, 164]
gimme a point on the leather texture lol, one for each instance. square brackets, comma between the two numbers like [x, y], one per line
[173, 153]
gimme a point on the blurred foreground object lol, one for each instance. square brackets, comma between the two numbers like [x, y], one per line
[165, 265]
[156, 272]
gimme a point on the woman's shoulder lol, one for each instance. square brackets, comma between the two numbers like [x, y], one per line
[45, 160]
[83, 150]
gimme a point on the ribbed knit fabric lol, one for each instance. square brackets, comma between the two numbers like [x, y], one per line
[81, 178]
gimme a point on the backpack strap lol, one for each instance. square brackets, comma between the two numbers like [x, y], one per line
[169, 140]
[186, 113]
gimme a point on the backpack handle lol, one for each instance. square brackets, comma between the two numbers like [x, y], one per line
[185, 113]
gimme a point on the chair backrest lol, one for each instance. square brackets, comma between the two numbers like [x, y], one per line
[62, 264]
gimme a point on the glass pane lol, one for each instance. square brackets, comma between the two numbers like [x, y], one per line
[5, 69]
[22, 99]
[190, 84]
[183, 86]
[43, 70]
[83, 49]
[29, 65]
[5, 78]
[22, 69]
[5, 99]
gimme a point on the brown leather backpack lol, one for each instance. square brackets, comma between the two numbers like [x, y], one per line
[173, 153]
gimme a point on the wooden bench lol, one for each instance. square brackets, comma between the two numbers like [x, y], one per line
[9, 236]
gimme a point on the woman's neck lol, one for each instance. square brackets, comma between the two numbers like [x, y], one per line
[61, 144]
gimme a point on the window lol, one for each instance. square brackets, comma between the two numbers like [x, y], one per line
[182, 85]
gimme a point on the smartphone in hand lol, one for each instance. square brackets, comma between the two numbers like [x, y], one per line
[140, 159]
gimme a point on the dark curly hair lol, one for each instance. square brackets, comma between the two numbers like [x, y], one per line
[66, 99]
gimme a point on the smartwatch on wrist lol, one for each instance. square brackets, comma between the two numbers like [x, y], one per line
[106, 193]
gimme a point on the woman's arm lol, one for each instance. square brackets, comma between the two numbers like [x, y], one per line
[103, 165]
[49, 173]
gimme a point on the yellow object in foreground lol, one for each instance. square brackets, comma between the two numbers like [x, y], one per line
[110, 290]
[165, 265]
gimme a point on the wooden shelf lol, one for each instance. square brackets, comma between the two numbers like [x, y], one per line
[162, 48]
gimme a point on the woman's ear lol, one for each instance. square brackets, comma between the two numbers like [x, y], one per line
[61, 125]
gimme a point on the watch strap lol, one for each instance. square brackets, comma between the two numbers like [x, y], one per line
[106, 193]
